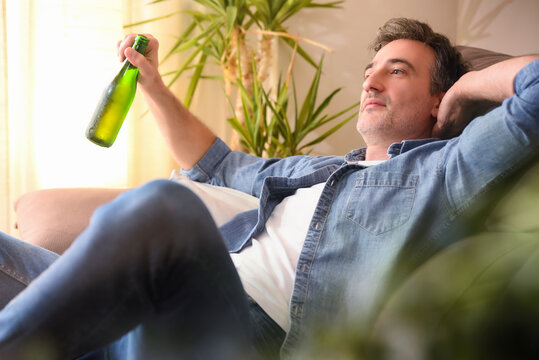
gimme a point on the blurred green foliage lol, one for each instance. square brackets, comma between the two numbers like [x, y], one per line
[476, 299]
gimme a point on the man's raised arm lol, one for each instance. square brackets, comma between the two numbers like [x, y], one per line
[187, 138]
[475, 92]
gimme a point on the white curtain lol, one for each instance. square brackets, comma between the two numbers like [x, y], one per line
[5, 193]
[57, 57]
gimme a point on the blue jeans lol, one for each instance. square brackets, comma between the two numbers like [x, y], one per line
[150, 278]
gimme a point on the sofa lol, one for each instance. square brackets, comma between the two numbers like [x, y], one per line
[478, 298]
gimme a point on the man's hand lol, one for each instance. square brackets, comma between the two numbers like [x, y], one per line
[459, 106]
[148, 63]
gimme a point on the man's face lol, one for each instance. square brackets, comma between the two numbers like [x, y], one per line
[396, 103]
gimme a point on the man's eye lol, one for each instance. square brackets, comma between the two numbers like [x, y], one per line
[397, 71]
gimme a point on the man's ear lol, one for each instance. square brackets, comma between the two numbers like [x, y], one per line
[436, 104]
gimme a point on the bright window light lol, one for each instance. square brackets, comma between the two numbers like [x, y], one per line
[56, 79]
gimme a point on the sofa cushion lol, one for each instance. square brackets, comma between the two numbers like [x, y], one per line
[478, 58]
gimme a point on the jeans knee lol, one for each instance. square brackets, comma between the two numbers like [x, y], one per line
[158, 205]
[167, 198]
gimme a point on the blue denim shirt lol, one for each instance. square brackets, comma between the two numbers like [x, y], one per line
[371, 221]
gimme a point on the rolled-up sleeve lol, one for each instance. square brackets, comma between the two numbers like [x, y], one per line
[495, 144]
[204, 168]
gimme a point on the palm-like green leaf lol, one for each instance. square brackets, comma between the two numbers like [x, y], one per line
[265, 128]
[307, 109]
[230, 19]
[194, 42]
[274, 135]
[188, 62]
[329, 132]
[194, 80]
[151, 20]
[218, 7]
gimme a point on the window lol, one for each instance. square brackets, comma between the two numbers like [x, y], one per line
[61, 55]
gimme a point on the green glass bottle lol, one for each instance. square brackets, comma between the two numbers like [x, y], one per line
[115, 102]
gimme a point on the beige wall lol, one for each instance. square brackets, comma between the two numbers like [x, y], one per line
[509, 26]
[348, 31]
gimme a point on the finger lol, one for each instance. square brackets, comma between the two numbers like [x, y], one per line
[439, 125]
[125, 43]
[152, 47]
[446, 131]
[140, 61]
[436, 131]
[441, 129]
[134, 57]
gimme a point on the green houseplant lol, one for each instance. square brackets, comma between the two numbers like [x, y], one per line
[238, 36]
[268, 130]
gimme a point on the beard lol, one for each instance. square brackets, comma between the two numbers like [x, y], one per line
[375, 122]
[377, 126]
[377, 119]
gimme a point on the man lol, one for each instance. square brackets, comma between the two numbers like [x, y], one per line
[152, 275]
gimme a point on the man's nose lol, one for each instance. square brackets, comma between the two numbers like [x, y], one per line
[373, 82]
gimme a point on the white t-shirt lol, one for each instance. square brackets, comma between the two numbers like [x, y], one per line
[267, 269]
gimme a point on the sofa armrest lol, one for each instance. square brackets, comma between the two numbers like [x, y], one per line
[53, 218]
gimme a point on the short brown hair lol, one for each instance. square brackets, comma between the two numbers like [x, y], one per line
[449, 65]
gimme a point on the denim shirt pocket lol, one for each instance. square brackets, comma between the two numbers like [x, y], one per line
[381, 201]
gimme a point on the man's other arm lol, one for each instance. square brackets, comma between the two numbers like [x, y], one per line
[497, 143]
[475, 92]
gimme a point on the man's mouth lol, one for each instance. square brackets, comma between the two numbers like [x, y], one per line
[373, 103]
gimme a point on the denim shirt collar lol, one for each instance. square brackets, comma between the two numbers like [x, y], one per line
[394, 149]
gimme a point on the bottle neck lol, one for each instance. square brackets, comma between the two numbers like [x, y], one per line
[139, 45]
[127, 66]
